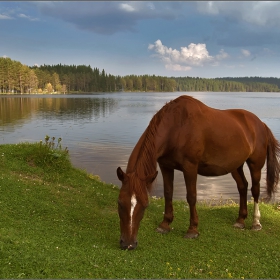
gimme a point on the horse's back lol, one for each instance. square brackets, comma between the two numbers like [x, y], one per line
[219, 141]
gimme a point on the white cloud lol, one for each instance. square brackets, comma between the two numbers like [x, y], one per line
[27, 17]
[208, 7]
[194, 54]
[177, 67]
[245, 53]
[151, 6]
[222, 55]
[126, 7]
[267, 51]
[12, 14]
[260, 53]
[185, 58]
[2, 16]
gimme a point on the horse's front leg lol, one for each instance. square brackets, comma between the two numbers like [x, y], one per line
[190, 175]
[168, 178]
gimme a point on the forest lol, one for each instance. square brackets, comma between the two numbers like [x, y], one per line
[18, 78]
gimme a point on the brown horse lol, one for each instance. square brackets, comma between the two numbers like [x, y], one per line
[191, 137]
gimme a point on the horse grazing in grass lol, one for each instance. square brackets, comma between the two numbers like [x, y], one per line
[189, 136]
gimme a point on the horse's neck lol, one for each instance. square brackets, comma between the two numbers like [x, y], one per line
[141, 159]
[136, 153]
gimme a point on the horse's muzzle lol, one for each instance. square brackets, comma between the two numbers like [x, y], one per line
[125, 246]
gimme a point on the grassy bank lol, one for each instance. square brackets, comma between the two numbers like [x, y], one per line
[60, 222]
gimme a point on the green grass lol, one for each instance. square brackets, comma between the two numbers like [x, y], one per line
[60, 222]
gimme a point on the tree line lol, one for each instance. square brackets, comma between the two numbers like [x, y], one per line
[252, 84]
[18, 78]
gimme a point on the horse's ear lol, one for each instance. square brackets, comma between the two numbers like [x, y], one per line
[150, 178]
[121, 174]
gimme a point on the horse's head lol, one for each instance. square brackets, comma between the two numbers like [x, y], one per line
[131, 206]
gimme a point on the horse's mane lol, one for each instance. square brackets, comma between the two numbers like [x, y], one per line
[146, 163]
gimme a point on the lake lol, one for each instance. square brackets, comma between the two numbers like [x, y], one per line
[100, 130]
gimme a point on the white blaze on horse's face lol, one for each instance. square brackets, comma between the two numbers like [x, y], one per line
[131, 207]
[133, 204]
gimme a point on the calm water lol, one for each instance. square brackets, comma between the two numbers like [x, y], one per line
[100, 130]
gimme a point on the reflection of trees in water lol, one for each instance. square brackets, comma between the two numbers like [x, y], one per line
[13, 109]
[69, 108]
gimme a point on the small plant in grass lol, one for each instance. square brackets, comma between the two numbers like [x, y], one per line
[54, 147]
[94, 177]
[171, 272]
[49, 153]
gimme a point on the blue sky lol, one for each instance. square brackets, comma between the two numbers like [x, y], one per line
[170, 38]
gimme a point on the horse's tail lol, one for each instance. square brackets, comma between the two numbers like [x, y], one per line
[272, 163]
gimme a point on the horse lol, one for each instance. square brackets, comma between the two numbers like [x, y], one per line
[187, 135]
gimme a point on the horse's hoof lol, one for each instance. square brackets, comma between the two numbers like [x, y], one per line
[239, 225]
[191, 235]
[162, 230]
[256, 227]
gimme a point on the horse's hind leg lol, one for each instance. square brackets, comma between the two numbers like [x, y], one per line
[256, 177]
[168, 178]
[242, 185]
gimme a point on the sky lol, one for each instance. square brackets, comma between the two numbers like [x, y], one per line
[206, 39]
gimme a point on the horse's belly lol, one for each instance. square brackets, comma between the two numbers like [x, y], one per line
[211, 170]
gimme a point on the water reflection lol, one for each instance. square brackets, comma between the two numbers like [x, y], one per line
[100, 130]
[14, 109]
